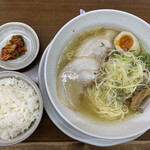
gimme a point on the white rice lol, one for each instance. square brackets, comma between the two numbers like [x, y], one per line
[19, 107]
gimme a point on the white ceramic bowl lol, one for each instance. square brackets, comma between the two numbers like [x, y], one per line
[111, 18]
[35, 124]
[31, 43]
[62, 124]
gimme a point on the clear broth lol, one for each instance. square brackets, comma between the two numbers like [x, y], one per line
[68, 55]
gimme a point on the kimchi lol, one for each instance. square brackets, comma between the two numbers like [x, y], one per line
[14, 48]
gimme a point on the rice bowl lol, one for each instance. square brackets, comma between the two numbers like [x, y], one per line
[21, 107]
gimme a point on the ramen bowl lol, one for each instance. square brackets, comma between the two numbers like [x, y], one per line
[104, 18]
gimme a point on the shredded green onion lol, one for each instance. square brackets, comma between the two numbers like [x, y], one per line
[121, 75]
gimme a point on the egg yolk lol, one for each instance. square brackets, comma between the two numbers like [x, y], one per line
[126, 42]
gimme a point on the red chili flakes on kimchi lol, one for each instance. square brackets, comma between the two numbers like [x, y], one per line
[14, 48]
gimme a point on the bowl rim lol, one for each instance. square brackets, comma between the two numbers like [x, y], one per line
[33, 127]
[45, 74]
[36, 38]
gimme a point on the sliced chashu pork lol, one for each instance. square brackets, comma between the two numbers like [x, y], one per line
[94, 47]
[82, 71]
[74, 77]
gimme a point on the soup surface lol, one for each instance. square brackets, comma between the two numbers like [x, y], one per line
[103, 73]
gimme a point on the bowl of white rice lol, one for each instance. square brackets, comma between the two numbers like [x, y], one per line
[21, 107]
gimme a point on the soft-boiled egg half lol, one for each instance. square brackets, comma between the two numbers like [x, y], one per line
[127, 41]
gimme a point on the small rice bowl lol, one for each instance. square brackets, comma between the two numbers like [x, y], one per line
[19, 107]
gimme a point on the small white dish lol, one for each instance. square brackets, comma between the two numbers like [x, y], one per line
[34, 125]
[31, 43]
[62, 124]
[105, 17]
